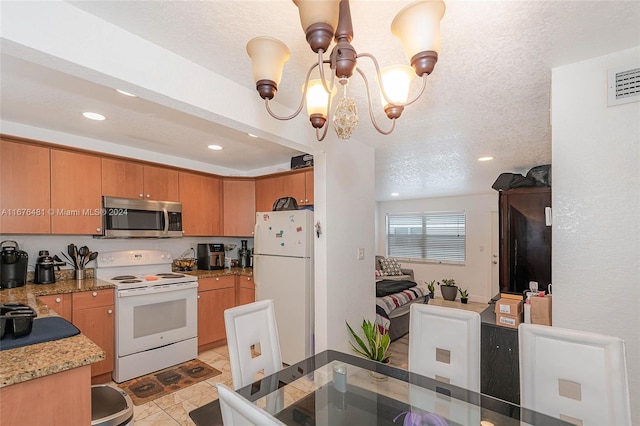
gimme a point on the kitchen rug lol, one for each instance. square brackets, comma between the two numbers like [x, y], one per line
[147, 388]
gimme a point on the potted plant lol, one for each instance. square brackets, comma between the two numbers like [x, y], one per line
[432, 287]
[448, 289]
[374, 345]
[464, 295]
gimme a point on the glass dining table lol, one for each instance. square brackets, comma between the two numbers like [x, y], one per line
[334, 388]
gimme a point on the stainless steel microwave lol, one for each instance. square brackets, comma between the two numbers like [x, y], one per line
[133, 218]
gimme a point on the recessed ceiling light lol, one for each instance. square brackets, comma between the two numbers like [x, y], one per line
[93, 116]
[394, 194]
[485, 158]
[215, 147]
[126, 93]
[252, 135]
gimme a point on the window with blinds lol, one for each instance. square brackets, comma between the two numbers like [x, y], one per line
[428, 236]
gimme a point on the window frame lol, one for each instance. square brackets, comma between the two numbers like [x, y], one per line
[423, 217]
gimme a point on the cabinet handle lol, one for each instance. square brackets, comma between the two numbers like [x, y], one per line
[217, 278]
[198, 296]
[141, 195]
[110, 311]
[148, 195]
[94, 294]
[98, 230]
[58, 300]
[248, 278]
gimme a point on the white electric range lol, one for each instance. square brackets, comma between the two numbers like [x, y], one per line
[156, 311]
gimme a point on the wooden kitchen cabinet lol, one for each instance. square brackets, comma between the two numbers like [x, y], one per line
[61, 304]
[201, 197]
[25, 193]
[239, 207]
[93, 314]
[75, 193]
[246, 290]
[128, 179]
[63, 398]
[297, 184]
[214, 296]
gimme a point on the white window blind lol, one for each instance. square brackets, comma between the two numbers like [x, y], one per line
[438, 236]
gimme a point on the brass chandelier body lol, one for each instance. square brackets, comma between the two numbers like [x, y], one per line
[417, 25]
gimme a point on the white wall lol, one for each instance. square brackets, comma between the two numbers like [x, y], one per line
[596, 207]
[475, 274]
[345, 208]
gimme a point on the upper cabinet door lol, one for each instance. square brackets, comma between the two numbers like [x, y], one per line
[25, 195]
[122, 178]
[308, 187]
[75, 193]
[201, 198]
[239, 202]
[161, 184]
[128, 179]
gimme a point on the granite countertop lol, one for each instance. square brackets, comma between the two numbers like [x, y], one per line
[33, 361]
[201, 273]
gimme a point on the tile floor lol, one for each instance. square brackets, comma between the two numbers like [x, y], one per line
[173, 409]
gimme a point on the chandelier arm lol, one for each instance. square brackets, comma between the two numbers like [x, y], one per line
[373, 119]
[322, 61]
[304, 95]
[383, 91]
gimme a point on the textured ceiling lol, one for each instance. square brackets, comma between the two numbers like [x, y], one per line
[489, 93]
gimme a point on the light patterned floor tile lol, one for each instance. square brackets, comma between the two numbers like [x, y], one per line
[158, 419]
[201, 390]
[145, 410]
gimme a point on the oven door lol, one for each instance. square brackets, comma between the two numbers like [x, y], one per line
[150, 317]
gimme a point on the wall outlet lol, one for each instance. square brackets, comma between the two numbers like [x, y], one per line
[360, 254]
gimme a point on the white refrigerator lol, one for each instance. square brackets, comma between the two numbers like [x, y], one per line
[283, 272]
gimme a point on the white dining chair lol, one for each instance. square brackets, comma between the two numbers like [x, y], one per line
[238, 411]
[444, 344]
[577, 376]
[252, 325]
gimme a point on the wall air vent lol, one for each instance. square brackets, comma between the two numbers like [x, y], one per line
[624, 86]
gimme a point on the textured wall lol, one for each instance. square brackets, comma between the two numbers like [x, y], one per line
[596, 202]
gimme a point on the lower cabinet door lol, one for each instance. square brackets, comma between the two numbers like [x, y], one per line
[98, 325]
[500, 368]
[211, 307]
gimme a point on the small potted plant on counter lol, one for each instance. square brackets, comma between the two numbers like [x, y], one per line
[432, 288]
[448, 289]
[464, 295]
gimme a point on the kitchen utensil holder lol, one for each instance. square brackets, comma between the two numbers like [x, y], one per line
[80, 274]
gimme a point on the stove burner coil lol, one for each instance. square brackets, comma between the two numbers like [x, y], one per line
[123, 277]
[169, 275]
[130, 281]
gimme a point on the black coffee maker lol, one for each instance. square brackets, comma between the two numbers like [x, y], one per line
[13, 265]
[45, 269]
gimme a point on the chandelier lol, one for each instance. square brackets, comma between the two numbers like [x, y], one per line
[418, 28]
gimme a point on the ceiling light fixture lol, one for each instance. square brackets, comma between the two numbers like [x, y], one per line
[418, 28]
[93, 116]
[252, 135]
[394, 194]
[485, 158]
[214, 147]
[126, 93]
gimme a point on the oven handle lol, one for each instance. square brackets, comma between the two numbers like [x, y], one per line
[166, 221]
[156, 289]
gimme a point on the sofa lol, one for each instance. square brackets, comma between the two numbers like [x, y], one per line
[382, 273]
[393, 309]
